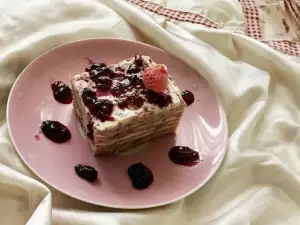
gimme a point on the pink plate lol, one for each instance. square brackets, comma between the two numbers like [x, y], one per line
[203, 128]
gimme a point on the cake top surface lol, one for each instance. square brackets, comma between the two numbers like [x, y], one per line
[116, 92]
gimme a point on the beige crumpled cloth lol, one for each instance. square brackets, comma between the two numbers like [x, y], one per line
[259, 87]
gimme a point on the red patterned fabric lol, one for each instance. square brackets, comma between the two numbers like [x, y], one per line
[285, 46]
[175, 14]
[254, 30]
[252, 19]
[292, 8]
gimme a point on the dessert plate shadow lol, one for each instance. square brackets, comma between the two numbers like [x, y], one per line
[203, 128]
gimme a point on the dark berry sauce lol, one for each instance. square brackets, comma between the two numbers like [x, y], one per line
[137, 66]
[120, 71]
[122, 103]
[162, 100]
[188, 97]
[100, 108]
[37, 137]
[90, 130]
[90, 61]
[103, 83]
[61, 92]
[120, 88]
[125, 85]
[86, 172]
[136, 101]
[95, 66]
[100, 93]
[55, 131]
[140, 175]
[88, 97]
[184, 156]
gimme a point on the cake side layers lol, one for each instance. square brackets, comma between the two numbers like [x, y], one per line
[131, 134]
[125, 126]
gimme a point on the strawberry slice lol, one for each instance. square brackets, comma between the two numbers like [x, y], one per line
[156, 78]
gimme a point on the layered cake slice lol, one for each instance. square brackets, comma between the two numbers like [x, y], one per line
[123, 105]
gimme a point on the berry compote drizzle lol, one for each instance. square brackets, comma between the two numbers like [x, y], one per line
[86, 172]
[140, 175]
[55, 131]
[183, 155]
[61, 92]
[90, 129]
[188, 97]
[125, 85]
[101, 108]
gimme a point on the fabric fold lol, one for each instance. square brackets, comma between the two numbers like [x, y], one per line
[258, 181]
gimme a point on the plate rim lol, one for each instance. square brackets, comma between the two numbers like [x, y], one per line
[114, 206]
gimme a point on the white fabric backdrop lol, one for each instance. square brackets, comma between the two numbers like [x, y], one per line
[259, 181]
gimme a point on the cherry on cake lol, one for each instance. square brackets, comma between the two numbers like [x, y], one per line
[126, 104]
